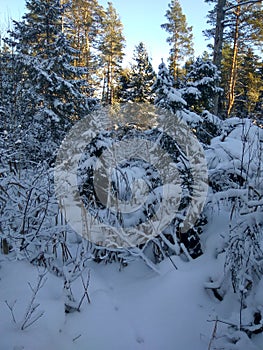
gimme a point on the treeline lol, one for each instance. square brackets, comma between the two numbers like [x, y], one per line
[82, 42]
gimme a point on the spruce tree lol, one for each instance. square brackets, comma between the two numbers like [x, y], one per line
[50, 96]
[180, 38]
[201, 85]
[142, 76]
[123, 85]
[167, 96]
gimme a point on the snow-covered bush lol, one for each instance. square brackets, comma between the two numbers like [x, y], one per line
[236, 186]
[208, 128]
[121, 187]
[31, 225]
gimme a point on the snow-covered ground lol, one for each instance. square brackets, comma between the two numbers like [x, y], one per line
[136, 307]
[132, 308]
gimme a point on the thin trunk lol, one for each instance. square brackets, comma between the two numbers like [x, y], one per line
[87, 57]
[233, 73]
[104, 87]
[109, 94]
[174, 66]
[218, 44]
[87, 46]
[108, 83]
[106, 93]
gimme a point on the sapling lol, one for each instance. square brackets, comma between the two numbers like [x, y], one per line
[31, 314]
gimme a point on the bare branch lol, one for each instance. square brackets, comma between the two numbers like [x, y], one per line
[242, 4]
[213, 335]
[11, 308]
[30, 317]
[85, 286]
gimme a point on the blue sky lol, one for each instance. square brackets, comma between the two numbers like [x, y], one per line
[141, 20]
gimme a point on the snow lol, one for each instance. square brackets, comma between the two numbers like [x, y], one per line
[212, 119]
[193, 91]
[175, 96]
[147, 305]
[132, 309]
[191, 118]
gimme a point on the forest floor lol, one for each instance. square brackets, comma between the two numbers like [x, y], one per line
[133, 308]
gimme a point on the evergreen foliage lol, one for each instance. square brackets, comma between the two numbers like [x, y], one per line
[180, 38]
[142, 76]
[48, 93]
[123, 92]
[201, 85]
[111, 52]
[136, 83]
[167, 96]
[82, 23]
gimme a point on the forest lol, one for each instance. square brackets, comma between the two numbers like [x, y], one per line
[131, 200]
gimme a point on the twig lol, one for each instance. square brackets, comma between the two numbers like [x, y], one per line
[176, 268]
[76, 338]
[213, 335]
[85, 286]
[241, 4]
[186, 252]
[29, 317]
[11, 308]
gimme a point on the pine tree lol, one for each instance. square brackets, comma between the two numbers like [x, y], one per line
[180, 38]
[142, 76]
[49, 92]
[83, 24]
[249, 86]
[111, 48]
[238, 25]
[222, 18]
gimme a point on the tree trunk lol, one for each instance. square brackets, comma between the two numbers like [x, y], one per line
[233, 73]
[174, 66]
[218, 44]
[107, 84]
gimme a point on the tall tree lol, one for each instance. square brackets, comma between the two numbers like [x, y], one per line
[111, 48]
[180, 37]
[142, 76]
[218, 40]
[237, 23]
[218, 18]
[44, 79]
[249, 86]
[242, 37]
[83, 24]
